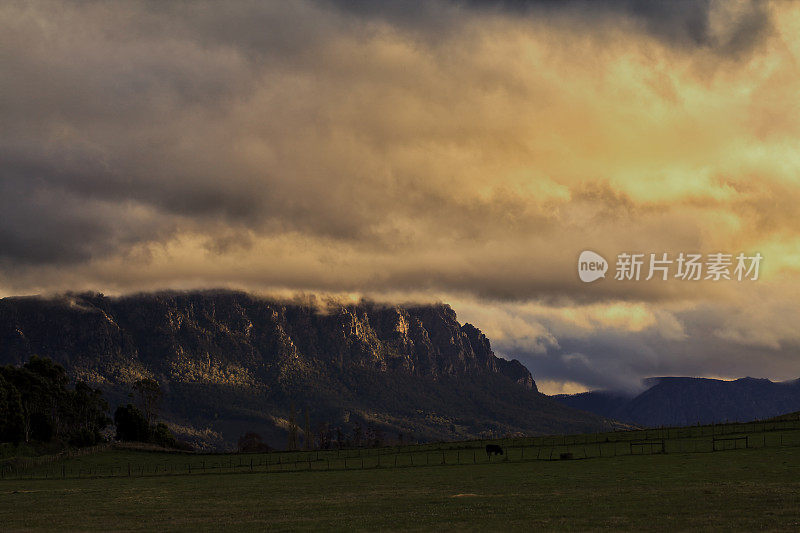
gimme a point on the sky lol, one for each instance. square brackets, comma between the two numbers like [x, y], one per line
[457, 151]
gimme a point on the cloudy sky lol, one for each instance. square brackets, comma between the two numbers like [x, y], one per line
[457, 151]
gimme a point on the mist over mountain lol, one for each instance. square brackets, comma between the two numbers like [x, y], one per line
[679, 401]
[229, 362]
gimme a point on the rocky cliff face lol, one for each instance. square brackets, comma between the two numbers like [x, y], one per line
[229, 361]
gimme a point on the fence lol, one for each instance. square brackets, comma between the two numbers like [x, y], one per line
[697, 439]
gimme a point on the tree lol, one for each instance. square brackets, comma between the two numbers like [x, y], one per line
[11, 420]
[292, 438]
[36, 405]
[357, 434]
[374, 436]
[148, 393]
[42, 388]
[369, 436]
[161, 435]
[339, 438]
[323, 436]
[131, 424]
[87, 415]
[48, 370]
[251, 442]
[378, 437]
[308, 438]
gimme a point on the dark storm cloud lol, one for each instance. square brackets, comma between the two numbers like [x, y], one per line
[146, 103]
[680, 23]
[282, 32]
[47, 223]
[302, 130]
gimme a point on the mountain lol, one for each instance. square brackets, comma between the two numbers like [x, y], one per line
[603, 403]
[680, 401]
[229, 362]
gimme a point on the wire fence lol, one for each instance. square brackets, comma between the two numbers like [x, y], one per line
[90, 463]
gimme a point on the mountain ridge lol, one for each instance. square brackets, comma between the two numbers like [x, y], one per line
[680, 401]
[230, 362]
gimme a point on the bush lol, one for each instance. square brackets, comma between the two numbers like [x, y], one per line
[83, 437]
[251, 443]
[162, 436]
[183, 446]
[131, 424]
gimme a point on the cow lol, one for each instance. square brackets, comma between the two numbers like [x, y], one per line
[493, 449]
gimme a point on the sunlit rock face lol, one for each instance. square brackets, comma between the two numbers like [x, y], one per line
[228, 360]
[233, 338]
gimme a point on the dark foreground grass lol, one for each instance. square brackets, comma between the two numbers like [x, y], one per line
[738, 489]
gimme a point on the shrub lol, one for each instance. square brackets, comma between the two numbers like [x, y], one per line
[162, 436]
[131, 424]
[251, 442]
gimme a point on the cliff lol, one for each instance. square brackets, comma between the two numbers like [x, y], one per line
[229, 362]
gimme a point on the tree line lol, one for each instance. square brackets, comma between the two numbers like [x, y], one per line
[37, 406]
[326, 436]
[323, 437]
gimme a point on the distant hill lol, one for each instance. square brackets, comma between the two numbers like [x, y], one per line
[230, 362]
[795, 415]
[680, 401]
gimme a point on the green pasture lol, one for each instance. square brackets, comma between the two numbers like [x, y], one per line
[743, 490]
[707, 478]
[110, 462]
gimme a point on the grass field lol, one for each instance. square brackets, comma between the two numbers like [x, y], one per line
[737, 489]
[132, 463]
[660, 479]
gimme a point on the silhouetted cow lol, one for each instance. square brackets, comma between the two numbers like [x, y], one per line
[493, 449]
